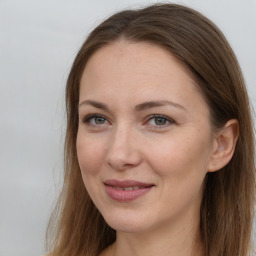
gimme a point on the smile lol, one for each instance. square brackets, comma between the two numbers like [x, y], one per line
[128, 188]
[124, 191]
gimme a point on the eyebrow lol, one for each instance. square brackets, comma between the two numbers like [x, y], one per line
[152, 104]
[139, 107]
[95, 104]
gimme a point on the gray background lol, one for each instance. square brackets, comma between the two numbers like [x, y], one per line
[38, 42]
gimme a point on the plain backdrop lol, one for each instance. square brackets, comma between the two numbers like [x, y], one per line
[38, 42]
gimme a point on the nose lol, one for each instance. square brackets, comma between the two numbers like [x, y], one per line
[123, 152]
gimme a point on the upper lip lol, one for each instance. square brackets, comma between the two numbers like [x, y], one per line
[126, 183]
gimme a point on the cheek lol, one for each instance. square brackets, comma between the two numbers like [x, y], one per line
[90, 155]
[181, 166]
[180, 156]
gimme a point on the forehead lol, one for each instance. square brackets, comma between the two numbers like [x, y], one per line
[138, 71]
[137, 58]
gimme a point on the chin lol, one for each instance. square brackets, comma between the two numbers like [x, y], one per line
[127, 223]
[127, 227]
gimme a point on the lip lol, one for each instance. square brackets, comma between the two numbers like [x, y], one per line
[126, 190]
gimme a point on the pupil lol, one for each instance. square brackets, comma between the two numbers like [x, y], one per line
[160, 121]
[99, 120]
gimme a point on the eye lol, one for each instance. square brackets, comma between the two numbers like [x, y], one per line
[160, 121]
[95, 120]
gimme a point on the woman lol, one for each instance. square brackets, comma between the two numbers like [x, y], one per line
[159, 152]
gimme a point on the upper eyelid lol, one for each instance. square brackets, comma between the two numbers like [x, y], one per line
[90, 116]
[159, 115]
[93, 115]
[162, 116]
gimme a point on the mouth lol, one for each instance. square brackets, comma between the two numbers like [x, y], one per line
[127, 190]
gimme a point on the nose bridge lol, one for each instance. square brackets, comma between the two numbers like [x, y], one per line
[123, 150]
[121, 135]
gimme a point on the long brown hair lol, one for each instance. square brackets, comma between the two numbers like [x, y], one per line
[228, 201]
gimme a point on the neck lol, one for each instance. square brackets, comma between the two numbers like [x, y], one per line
[180, 241]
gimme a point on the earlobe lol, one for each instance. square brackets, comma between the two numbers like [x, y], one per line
[224, 145]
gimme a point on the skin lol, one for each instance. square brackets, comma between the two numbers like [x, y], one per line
[173, 153]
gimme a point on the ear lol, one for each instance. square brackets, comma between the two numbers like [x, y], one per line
[224, 145]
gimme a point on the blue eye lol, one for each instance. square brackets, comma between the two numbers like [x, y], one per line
[99, 120]
[95, 120]
[160, 120]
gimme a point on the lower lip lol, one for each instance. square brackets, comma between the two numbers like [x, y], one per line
[126, 195]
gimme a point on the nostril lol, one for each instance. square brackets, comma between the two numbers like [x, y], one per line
[124, 157]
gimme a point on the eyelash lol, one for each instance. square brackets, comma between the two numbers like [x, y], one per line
[167, 119]
[87, 120]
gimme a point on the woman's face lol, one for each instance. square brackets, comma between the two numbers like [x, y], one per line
[144, 140]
